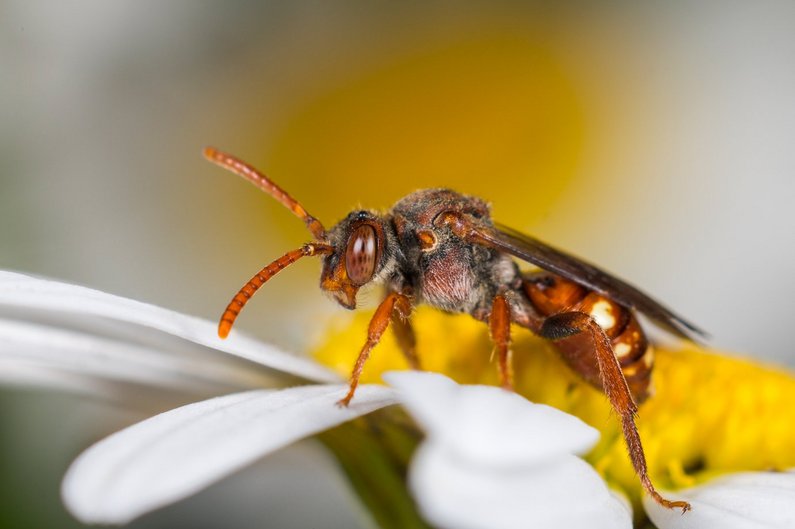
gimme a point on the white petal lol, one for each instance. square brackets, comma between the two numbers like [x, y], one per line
[175, 454]
[73, 353]
[63, 305]
[738, 501]
[488, 424]
[566, 493]
[138, 398]
[22, 374]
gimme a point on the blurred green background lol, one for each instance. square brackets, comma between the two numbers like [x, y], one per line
[653, 138]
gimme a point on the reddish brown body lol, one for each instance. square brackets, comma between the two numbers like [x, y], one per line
[550, 294]
[441, 248]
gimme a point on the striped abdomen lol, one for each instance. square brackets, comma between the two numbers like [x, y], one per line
[550, 294]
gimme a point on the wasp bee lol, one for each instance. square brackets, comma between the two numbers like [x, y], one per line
[441, 248]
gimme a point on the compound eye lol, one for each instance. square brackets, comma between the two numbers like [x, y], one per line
[360, 255]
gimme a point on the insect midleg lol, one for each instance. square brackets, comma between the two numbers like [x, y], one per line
[406, 339]
[500, 327]
[615, 387]
[393, 302]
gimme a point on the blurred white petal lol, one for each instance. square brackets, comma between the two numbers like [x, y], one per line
[752, 500]
[488, 424]
[56, 305]
[77, 353]
[32, 374]
[494, 460]
[177, 453]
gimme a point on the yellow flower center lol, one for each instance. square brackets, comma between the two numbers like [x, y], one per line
[710, 414]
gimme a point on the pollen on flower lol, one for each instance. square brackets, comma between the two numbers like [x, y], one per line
[711, 413]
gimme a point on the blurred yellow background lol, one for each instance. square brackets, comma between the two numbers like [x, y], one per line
[652, 139]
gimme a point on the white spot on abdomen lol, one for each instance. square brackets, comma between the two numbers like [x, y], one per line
[602, 313]
[621, 350]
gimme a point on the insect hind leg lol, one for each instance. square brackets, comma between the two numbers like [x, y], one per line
[563, 325]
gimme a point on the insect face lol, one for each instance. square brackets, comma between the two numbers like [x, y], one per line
[358, 256]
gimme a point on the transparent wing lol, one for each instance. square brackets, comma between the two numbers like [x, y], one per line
[544, 256]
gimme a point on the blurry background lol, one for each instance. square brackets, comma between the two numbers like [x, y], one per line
[654, 139]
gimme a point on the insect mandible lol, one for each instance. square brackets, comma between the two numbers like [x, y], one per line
[439, 247]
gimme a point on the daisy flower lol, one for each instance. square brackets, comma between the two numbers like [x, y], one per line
[485, 457]
[719, 431]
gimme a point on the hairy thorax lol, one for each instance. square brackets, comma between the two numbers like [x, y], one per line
[446, 272]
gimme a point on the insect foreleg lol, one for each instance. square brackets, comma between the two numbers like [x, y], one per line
[614, 385]
[394, 302]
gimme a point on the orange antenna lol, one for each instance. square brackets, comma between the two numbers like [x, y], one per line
[241, 168]
[249, 289]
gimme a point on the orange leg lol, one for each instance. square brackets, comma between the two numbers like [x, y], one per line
[406, 339]
[615, 387]
[394, 302]
[500, 327]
